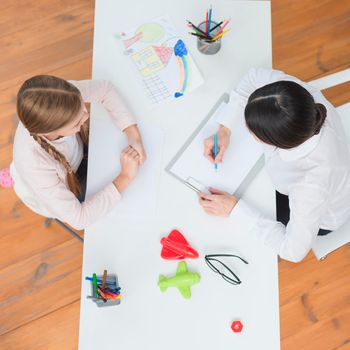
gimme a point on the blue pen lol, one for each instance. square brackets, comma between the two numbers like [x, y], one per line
[216, 150]
[209, 19]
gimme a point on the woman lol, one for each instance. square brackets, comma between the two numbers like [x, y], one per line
[306, 156]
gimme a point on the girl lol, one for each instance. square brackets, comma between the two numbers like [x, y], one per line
[306, 156]
[50, 141]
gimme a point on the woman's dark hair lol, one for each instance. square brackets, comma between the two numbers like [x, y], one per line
[284, 114]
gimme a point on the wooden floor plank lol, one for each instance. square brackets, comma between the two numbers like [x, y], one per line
[24, 14]
[51, 57]
[314, 306]
[332, 333]
[310, 39]
[312, 274]
[56, 331]
[46, 32]
[40, 284]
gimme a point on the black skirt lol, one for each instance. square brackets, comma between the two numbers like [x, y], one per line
[81, 174]
[283, 211]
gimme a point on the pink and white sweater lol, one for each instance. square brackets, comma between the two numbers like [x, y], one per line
[46, 177]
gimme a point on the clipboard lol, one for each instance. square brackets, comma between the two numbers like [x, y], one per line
[193, 183]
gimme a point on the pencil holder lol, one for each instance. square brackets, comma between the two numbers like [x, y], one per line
[208, 47]
[112, 283]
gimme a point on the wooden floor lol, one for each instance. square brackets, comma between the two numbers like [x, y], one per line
[40, 268]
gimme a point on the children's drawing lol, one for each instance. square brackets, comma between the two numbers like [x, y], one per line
[162, 60]
[152, 59]
[156, 90]
[181, 53]
[146, 33]
[151, 32]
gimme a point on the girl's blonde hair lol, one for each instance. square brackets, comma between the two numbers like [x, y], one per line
[45, 104]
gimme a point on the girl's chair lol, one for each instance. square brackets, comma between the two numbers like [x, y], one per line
[31, 201]
[338, 238]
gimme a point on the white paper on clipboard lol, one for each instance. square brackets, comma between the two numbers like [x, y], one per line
[241, 162]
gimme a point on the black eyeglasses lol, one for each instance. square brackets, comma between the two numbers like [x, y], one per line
[222, 269]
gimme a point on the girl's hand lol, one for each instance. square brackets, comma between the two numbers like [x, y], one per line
[135, 141]
[218, 203]
[129, 161]
[223, 143]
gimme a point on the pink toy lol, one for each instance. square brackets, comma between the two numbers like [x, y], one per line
[176, 247]
[6, 180]
[237, 326]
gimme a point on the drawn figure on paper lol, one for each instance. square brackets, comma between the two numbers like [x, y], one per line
[152, 59]
[146, 33]
[156, 88]
[181, 54]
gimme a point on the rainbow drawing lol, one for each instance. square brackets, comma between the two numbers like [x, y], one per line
[181, 54]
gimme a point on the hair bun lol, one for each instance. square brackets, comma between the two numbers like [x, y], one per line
[320, 116]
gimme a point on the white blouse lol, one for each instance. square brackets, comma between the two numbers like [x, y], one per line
[315, 176]
[72, 148]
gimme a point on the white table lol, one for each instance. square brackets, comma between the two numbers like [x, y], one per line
[147, 318]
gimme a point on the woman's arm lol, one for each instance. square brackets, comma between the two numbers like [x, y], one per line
[292, 242]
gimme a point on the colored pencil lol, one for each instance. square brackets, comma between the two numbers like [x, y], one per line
[224, 25]
[220, 35]
[200, 36]
[206, 22]
[209, 20]
[199, 30]
[219, 24]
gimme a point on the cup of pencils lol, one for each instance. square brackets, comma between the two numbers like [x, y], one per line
[209, 34]
[105, 290]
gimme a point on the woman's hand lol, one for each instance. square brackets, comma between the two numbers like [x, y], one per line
[223, 143]
[129, 161]
[135, 141]
[218, 203]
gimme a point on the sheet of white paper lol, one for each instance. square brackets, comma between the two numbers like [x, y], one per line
[238, 160]
[162, 59]
[140, 198]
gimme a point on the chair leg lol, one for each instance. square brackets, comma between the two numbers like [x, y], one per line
[69, 230]
[47, 222]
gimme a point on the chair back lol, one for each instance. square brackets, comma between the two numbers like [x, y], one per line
[26, 195]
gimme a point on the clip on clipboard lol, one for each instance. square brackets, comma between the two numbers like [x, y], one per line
[196, 186]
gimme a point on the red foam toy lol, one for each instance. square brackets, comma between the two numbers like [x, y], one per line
[176, 247]
[237, 326]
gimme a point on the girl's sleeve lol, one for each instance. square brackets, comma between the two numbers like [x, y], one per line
[254, 79]
[62, 203]
[104, 92]
[292, 242]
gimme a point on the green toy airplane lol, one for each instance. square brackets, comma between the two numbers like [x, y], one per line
[183, 280]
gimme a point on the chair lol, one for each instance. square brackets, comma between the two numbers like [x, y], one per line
[324, 245]
[30, 200]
